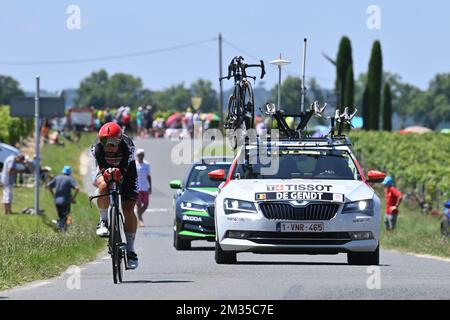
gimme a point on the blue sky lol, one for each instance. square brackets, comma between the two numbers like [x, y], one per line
[414, 37]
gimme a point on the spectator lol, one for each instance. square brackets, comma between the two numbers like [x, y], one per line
[10, 169]
[140, 122]
[63, 185]
[45, 130]
[148, 120]
[144, 184]
[393, 200]
[55, 139]
[107, 116]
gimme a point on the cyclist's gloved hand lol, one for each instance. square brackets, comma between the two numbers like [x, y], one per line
[112, 174]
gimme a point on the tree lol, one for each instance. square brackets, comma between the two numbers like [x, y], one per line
[432, 107]
[92, 90]
[386, 112]
[315, 91]
[290, 95]
[344, 61]
[349, 93]
[123, 90]
[365, 109]
[9, 88]
[177, 97]
[204, 89]
[375, 75]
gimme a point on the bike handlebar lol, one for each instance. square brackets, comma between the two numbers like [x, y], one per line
[236, 65]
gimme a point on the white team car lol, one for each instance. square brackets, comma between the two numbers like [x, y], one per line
[317, 202]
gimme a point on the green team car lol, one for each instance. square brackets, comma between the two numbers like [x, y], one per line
[194, 202]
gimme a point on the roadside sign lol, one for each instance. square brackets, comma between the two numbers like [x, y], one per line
[49, 107]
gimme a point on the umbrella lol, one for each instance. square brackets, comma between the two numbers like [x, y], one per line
[416, 129]
[174, 117]
[212, 117]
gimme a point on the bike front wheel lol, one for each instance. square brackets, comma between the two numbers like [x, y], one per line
[116, 246]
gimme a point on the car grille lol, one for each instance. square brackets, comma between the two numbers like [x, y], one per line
[299, 238]
[286, 211]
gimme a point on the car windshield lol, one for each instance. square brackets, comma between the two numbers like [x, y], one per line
[198, 178]
[295, 164]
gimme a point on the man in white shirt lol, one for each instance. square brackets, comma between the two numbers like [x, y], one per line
[144, 185]
[10, 169]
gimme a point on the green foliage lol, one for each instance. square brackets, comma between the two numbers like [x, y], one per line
[92, 90]
[374, 87]
[349, 93]
[12, 129]
[177, 97]
[123, 90]
[344, 61]
[290, 94]
[413, 160]
[386, 112]
[9, 88]
[204, 89]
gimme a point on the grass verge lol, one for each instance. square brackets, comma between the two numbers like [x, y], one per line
[30, 247]
[416, 233]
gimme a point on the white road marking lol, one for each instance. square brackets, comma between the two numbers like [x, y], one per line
[428, 256]
[423, 256]
[34, 285]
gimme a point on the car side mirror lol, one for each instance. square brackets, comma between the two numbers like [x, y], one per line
[218, 175]
[175, 184]
[375, 176]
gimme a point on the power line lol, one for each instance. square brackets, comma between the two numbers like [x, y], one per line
[112, 57]
[240, 49]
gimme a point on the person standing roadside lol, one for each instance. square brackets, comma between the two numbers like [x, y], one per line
[393, 201]
[10, 169]
[140, 122]
[144, 185]
[148, 121]
[63, 185]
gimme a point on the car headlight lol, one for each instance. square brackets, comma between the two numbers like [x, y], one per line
[192, 206]
[363, 206]
[235, 206]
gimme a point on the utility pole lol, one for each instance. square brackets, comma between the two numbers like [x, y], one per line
[304, 77]
[37, 135]
[220, 76]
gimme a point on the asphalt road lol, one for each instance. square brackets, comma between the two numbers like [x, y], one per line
[167, 274]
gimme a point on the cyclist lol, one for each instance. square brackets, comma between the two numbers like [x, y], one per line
[114, 153]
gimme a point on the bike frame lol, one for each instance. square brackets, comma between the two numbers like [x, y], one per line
[116, 247]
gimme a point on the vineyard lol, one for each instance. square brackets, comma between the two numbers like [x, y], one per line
[13, 130]
[419, 164]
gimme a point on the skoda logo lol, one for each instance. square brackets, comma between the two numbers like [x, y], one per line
[299, 203]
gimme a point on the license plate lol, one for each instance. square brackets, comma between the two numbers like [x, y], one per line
[300, 227]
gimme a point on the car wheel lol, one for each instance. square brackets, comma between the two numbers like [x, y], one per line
[364, 258]
[224, 257]
[180, 243]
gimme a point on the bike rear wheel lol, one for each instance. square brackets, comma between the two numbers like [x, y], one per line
[116, 246]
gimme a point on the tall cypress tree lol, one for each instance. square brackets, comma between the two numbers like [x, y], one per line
[343, 62]
[349, 94]
[386, 112]
[365, 109]
[374, 81]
